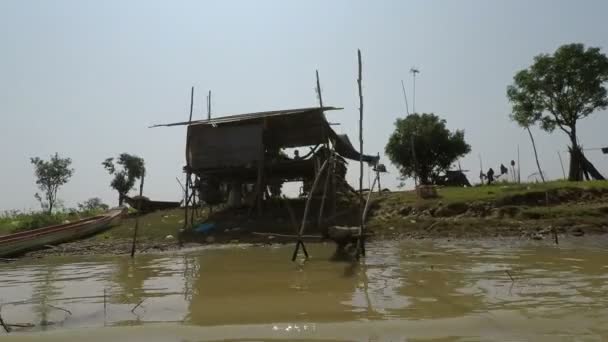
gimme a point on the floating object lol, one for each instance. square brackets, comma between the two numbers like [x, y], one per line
[19, 243]
[204, 228]
[169, 237]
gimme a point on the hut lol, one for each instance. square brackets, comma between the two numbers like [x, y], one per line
[231, 155]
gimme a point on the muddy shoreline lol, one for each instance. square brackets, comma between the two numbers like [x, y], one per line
[429, 229]
[536, 215]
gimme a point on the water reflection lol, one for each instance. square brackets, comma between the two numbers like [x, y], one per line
[404, 281]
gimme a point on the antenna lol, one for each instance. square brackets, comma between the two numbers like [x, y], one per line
[414, 70]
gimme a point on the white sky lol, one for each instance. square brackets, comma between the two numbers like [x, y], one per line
[86, 78]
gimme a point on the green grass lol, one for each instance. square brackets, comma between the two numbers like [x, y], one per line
[485, 193]
[152, 226]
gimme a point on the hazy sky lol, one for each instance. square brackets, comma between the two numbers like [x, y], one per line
[86, 78]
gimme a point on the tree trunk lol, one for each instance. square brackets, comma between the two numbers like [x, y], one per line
[575, 173]
[536, 154]
[121, 199]
[580, 166]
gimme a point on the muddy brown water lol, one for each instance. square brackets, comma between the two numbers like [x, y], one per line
[402, 291]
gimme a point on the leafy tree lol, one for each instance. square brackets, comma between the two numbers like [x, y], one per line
[131, 168]
[50, 175]
[93, 204]
[557, 91]
[435, 148]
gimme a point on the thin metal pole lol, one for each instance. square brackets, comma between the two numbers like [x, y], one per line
[414, 71]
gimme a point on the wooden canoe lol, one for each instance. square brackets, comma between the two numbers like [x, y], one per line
[147, 205]
[19, 243]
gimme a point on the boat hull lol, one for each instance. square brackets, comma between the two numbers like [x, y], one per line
[19, 243]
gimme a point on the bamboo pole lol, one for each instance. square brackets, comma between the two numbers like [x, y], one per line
[413, 147]
[306, 208]
[188, 180]
[141, 192]
[542, 176]
[209, 106]
[359, 80]
[361, 238]
[562, 164]
[319, 90]
[325, 186]
[378, 175]
[518, 167]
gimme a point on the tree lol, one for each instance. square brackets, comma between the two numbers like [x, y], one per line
[50, 175]
[435, 148]
[557, 91]
[93, 204]
[132, 168]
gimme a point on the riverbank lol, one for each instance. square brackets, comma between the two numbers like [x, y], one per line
[527, 211]
[536, 211]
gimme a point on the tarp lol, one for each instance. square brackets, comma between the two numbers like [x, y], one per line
[346, 149]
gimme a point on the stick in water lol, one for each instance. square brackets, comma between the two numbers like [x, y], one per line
[4, 325]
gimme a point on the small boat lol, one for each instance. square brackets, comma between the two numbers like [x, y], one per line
[148, 205]
[19, 243]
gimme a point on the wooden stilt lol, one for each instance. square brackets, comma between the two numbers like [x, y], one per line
[188, 171]
[361, 240]
[141, 191]
[292, 215]
[306, 208]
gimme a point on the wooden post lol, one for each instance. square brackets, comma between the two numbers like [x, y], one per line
[413, 147]
[325, 186]
[518, 167]
[141, 191]
[378, 175]
[260, 181]
[360, 124]
[306, 207]
[361, 239]
[193, 211]
[188, 173]
[209, 106]
[319, 90]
